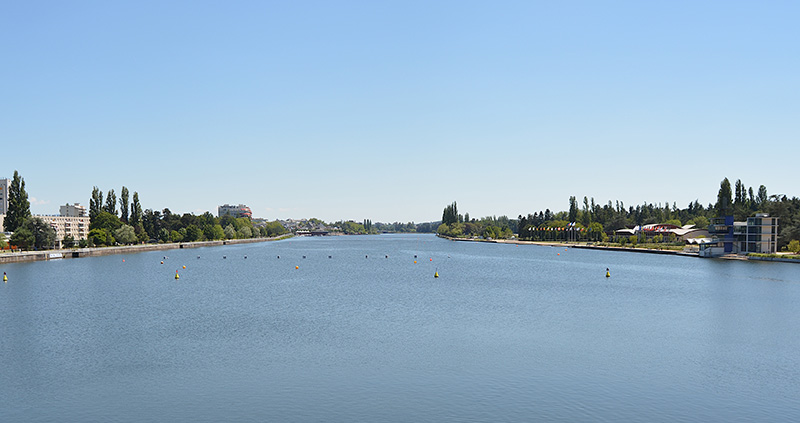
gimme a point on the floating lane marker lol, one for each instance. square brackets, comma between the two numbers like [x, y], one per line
[176, 275]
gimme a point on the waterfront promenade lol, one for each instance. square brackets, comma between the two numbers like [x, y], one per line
[27, 256]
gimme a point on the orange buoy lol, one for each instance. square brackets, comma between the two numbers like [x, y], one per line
[297, 267]
[184, 267]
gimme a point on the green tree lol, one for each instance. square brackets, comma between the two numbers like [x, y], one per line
[123, 204]
[724, 204]
[44, 235]
[175, 236]
[193, 233]
[450, 214]
[98, 237]
[125, 234]
[95, 203]
[23, 238]
[105, 220]
[230, 232]
[19, 208]
[136, 211]
[111, 202]
[67, 242]
[573, 209]
[794, 246]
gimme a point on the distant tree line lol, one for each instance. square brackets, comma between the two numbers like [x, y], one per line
[591, 221]
[132, 225]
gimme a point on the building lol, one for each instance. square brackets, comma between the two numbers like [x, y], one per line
[236, 211]
[74, 226]
[72, 210]
[5, 185]
[683, 233]
[759, 234]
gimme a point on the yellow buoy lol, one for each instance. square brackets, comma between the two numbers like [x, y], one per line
[176, 275]
[608, 273]
[436, 274]
[5, 278]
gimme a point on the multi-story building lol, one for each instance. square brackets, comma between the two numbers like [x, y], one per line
[72, 210]
[73, 226]
[758, 234]
[5, 184]
[236, 211]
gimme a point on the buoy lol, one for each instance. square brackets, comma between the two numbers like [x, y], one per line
[123, 260]
[162, 261]
[176, 275]
[224, 257]
[436, 275]
[387, 256]
[415, 256]
[297, 267]
[279, 256]
[5, 278]
[565, 249]
[608, 273]
[431, 259]
[415, 262]
[558, 254]
[245, 256]
[184, 267]
[329, 256]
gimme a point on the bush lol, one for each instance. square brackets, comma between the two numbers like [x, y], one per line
[794, 246]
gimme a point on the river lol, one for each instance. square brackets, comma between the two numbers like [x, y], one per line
[345, 329]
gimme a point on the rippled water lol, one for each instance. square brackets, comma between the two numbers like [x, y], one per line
[506, 333]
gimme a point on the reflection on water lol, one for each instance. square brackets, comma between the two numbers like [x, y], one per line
[506, 333]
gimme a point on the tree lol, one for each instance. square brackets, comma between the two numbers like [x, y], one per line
[724, 204]
[230, 232]
[105, 220]
[19, 208]
[123, 204]
[44, 235]
[573, 209]
[22, 238]
[193, 233]
[762, 197]
[125, 234]
[111, 203]
[450, 214]
[67, 242]
[136, 211]
[98, 237]
[95, 203]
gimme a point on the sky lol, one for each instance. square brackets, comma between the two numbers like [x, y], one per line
[392, 110]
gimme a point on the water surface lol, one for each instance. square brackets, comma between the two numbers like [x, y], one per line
[506, 333]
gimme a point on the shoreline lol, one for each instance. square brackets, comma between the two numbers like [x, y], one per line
[622, 249]
[576, 245]
[30, 256]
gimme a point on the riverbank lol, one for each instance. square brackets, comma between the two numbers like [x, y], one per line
[578, 245]
[775, 258]
[28, 256]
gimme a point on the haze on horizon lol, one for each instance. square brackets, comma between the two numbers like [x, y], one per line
[391, 111]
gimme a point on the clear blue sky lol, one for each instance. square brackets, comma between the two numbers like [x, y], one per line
[392, 110]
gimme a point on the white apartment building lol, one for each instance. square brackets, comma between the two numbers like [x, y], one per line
[76, 227]
[72, 210]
